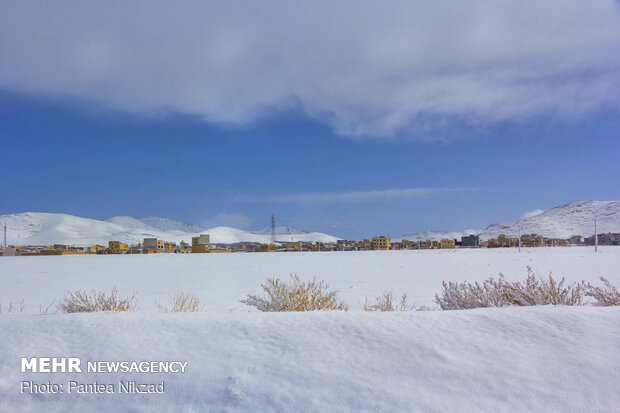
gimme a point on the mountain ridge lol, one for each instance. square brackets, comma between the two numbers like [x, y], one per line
[564, 221]
[41, 228]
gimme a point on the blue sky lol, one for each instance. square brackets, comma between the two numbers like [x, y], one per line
[441, 119]
[59, 157]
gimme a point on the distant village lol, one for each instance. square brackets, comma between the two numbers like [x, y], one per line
[201, 245]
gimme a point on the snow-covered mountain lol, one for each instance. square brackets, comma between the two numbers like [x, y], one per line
[576, 218]
[38, 228]
[165, 224]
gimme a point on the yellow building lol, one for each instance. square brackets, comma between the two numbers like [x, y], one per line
[426, 244]
[533, 240]
[381, 243]
[409, 245]
[200, 243]
[96, 249]
[293, 246]
[447, 244]
[202, 239]
[116, 247]
[266, 248]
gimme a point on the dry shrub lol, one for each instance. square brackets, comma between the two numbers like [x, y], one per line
[500, 293]
[386, 302]
[607, 295]
[181, 302]
[12, 309]
[79, 301]
[541, 292]
[296, 295]
[44, 310]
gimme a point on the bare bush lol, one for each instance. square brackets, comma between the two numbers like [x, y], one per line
[79, 301]
[500, 293]
[463, 296]
[296, 295]
[386, 302]
[181, 302]
[541, 292]
[45, 310]
[13, 309]
[607, 295]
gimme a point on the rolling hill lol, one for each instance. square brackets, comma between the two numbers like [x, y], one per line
[575, 218]
[38, 228]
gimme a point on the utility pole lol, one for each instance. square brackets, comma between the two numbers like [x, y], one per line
[519, 238]
[419, 238]
[595, 238]
[4, 234]
[273, 229]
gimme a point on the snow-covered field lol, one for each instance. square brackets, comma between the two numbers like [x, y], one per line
[509, 359]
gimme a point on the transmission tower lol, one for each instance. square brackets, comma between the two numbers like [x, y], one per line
[273, 229]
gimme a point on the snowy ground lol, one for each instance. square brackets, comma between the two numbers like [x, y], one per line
[509, 359]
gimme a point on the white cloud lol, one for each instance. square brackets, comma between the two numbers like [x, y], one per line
[356, 196]
[235, 220]
[532, 213]
[363, 67]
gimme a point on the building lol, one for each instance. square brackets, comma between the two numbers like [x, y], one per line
[96, 249]
[448, 243]
[532, 240]
[202, 239]
[409, 245]
[576, 240]
[604, 239]
[293, 246]
[200, 243]
[116, 247]
[381, 243]
[149, 243]
[8, 252]
[154, 243]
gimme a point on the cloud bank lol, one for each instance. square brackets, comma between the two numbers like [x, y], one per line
[361, 67]
[531, 214]
[356, 196]
[232, 219]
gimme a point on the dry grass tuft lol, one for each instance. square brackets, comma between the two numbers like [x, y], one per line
[296, 295]
[386, 302]
[45, 310]
[607, 295]
[500, 293]
[181, 302]
[12, 309]
[79, 301]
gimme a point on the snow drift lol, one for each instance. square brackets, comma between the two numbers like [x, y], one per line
[551, 359]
